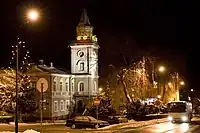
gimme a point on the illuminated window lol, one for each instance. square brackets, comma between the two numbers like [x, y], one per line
[33, 85]
[62, 105]
[54, 86]
[72, 87]
[81, 66]
[55, 106]
[60, 86]
[81, 86]
[67, 88]
[66, 104]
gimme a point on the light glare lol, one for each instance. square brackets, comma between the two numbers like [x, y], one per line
[161, 69]
[33, 15]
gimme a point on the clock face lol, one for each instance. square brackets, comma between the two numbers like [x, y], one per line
[80, 53]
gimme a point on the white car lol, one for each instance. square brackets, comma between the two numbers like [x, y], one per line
[180, 111]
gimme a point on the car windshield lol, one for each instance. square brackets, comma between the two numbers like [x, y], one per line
[177, 107]
[92, 118]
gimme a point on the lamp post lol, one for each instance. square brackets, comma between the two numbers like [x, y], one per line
[189, 98]
[161, 69]
[32, 15]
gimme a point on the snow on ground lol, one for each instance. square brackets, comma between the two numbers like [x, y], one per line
[133, 123]
[27, 131]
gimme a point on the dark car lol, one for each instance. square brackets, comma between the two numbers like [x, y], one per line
[85, 122]
[6, 117]
[115, 119]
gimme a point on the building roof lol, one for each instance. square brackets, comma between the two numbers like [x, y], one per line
[52, 69]
[84, 18]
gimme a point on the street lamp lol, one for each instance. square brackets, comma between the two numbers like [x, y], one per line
[191, 90]
[100, 89]
[169, 84]
[182, 83]
[32, 15]
[161, 69]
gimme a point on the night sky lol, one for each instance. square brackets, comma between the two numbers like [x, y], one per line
[167, 30]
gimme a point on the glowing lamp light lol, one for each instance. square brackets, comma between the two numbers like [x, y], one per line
[170, 118]
[84, 37]
[169, 83]
[161, 69]
[100, 89]
[33, 15]
[182, 83]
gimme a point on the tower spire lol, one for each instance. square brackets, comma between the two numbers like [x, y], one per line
[84, 18]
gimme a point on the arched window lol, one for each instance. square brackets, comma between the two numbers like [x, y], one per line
[82, 66]
[55, 106]
[81, 86]
[62, 105]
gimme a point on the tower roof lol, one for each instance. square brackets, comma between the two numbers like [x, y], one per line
[84, 18]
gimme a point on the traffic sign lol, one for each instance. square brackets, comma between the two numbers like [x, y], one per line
[42, 85]
[96, 102]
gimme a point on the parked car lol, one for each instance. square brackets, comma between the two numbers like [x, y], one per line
[117, 119]
[85, 122]
[6, 117]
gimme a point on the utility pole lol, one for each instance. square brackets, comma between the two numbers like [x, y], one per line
[177, 86]
[16, 89]
[41, 108]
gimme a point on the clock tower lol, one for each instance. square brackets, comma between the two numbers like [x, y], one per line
[84, 61]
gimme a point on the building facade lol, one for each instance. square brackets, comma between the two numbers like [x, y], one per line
[70, 92]
[62, 92]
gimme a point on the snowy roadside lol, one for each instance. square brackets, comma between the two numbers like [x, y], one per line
[134, 124]
[27, 131]
[24, 124]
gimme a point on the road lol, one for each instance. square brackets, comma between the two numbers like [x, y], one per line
[167, 127]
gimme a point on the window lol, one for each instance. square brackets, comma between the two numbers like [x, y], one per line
[33, 85]
[60, 86]
[67, 88]
[55, 106]
[81, 66]
[67, 105]
[61, 105]
[54, 86]
[81, 86]
[72, 87]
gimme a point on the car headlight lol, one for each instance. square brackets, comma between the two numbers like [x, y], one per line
[170, 118]
[184, 118]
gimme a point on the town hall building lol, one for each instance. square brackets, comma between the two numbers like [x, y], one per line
[69, 92]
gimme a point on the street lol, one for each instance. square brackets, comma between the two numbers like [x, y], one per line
[168, 127]
[165, 127]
